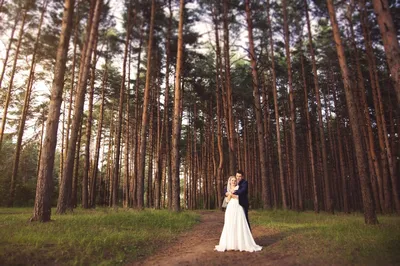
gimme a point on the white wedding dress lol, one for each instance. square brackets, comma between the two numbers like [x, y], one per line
[236, 234]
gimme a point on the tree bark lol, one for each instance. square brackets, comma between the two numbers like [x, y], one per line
[369, 208]
[328, 198]
[256, 94]
[98, 138]
[7, 55]
[86, 172]
[292, 107]
[309, 138]
[12, 75]
[177, 116]
[390, 42]
[120, 112]
[64, 198]
[142, 153]
[230, 125]
[276, 108]
[219, 176]
[27, 100]
[44, 187]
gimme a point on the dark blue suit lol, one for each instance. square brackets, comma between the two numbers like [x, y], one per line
[243, 198]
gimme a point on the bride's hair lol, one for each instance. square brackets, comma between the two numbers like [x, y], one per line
[228, 186]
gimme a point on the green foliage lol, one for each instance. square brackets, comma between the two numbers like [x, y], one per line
[27, 174]
[340, 239]
[88, 236]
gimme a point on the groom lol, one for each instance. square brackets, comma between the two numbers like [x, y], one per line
[242, 193]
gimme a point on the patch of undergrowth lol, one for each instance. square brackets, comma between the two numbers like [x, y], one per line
[339, 239]
[101, 236]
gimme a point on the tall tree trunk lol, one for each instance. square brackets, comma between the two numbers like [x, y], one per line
[98, 138]
[392, 50]
[136, 130]
[3, 71]
[256, 94]
[228, 92]
[276, 108]
[150, 149]
[72, 91]
[142, 153]
[309, 138]
[368, 205]
[86, 172]
[369, 139]
[75, 178]
[339, 129]
[44, 187]
[27, 100]
[41, 142]
[158, 143]
[292, 107]
[177, 116]
[390, 42]
[383, 183]
[328, 198]
[12, 75]
[64, 197]
[164, 145]
[127, 137]
[218, 104]
[120, 112]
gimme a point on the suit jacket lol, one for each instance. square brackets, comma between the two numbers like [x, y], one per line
[242, 193]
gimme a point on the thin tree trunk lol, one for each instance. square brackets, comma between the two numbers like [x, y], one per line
[369, 209]
[86, 172]
[12, 75]
[230, 125]
[164, 151]
[260, 129]
[341, 156]
[380, 118]
[177, 116]
[392, 51]
[309, 138]
[27, 100]
[41, 142]
[142, 153]
[276, 108]
[64, 201]
[292, 107]
[44, 187]
[75, 180]
[72, 92]
[136, 135]
[120, 112]
[328, 198]
[369, 139]
[98, 138]
[7, 55]
[127, 137]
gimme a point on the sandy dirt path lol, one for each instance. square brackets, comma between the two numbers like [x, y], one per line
[196, 247]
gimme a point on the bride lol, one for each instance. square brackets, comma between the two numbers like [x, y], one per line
[236, 234]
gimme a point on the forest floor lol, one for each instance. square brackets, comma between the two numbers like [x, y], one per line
[280, 247]
[105, 236]
[196, 247]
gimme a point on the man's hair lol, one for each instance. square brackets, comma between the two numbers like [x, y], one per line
[240, 172]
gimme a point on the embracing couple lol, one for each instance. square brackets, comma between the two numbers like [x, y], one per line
[236, 234]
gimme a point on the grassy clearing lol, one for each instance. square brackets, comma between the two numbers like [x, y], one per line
[101, 237]
[337, 239]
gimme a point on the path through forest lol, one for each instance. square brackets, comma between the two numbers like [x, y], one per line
[196, 247]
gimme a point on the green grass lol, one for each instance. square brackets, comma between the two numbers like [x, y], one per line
[102, 236]
[337, 239]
